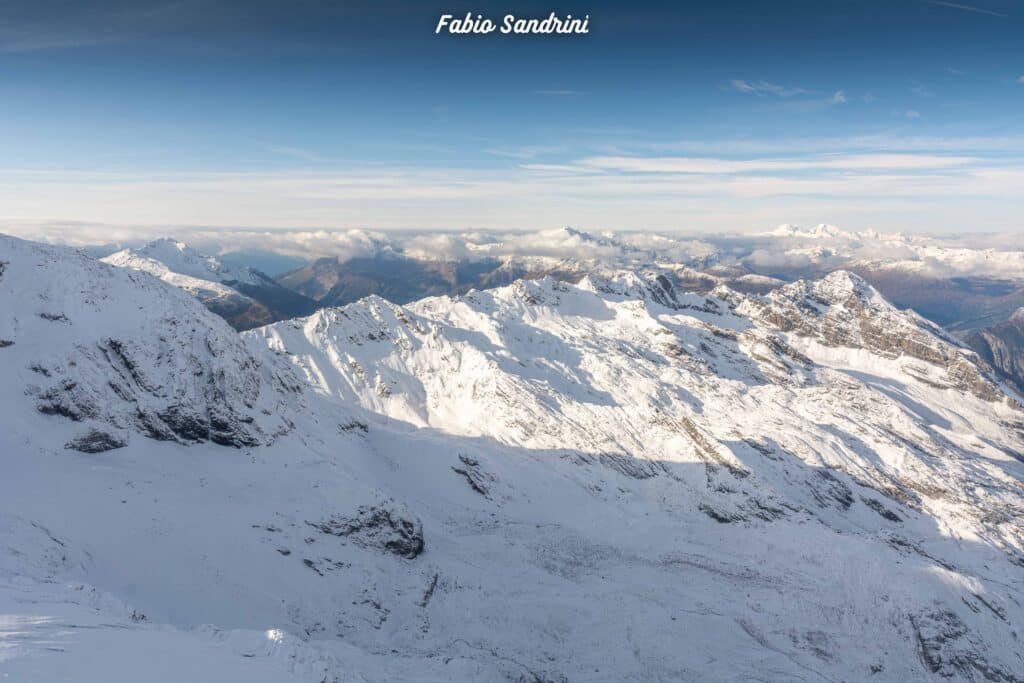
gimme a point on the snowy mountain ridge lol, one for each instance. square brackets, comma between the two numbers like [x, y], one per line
[244, 297]
[545, 482]
[166, 255]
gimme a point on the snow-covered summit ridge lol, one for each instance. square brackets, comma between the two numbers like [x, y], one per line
[169, 255]
[626, 365]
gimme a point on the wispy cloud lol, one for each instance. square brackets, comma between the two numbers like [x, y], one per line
[912, 114]
[559, 93]
[292, 152]
[763, 88]
[922, 90]
[891, 142]
[839, 97]
[87, 25]
[28, 39]
[714, 166]
[529, 152]
[898, 191]
[1021, 80]
[966, 8]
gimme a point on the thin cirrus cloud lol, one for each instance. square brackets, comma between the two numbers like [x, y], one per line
[853, 162]
[297, 153]
[526, 152]
[856, 144]
[704, 194]
[966, 8]
[793, 98]
[764, 88]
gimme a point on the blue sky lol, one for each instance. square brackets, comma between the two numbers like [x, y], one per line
[898, 114]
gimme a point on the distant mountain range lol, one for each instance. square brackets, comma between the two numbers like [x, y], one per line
[948, 285]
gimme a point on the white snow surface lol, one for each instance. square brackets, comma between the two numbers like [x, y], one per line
[180, 258]
[611, 481]
[179, 264]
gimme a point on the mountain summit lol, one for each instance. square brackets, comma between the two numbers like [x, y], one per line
[244, 297]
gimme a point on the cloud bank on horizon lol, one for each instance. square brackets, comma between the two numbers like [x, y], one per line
[784, 249]
[696, 116]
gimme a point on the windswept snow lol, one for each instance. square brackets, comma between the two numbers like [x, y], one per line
[605, 481]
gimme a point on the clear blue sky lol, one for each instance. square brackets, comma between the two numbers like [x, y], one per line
[895, 114]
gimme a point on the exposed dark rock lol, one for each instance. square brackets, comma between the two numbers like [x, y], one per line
[54, 317]
[377, 527]
[4, 343]
[67, 399]
[95, 441]
[634, 468]
[708, 451]
[878, 507]
[765, 511]
[720, 516]
[118, 355]
[947, 648]
[429, 593]
[907, 547]
[184, 423]
[978, 602]
[762, 447]
[478, 479]
[353, 425]
[828, 489]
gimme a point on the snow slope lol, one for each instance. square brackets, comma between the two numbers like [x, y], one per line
[244, 297]
[543, 482]
[164, 256]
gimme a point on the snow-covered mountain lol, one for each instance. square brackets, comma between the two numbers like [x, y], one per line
[608, 481]
[164, 256]
[432, 265]
[244, 297]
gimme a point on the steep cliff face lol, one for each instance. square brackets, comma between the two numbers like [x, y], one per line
[1002, 347]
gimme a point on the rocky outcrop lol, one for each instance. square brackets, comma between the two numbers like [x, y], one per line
[380, 527]
[95, 441]
[947, 648]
